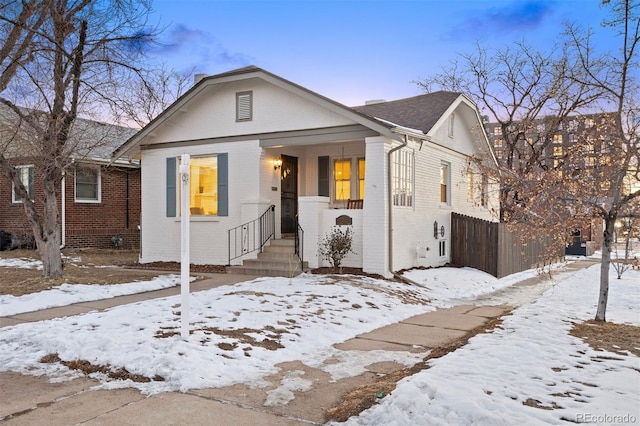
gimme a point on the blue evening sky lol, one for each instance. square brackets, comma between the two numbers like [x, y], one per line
[356, 50]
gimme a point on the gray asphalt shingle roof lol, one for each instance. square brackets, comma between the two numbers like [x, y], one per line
[419, 112]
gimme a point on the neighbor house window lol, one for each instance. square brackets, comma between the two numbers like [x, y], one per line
[402, 169]
[88, 184]
[445, 182]
[203, 185]
[361, 165]
[244, 106]
[498, 143]
[342, 179]
[25, 174]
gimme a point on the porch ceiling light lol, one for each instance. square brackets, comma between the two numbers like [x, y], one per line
[277, 163]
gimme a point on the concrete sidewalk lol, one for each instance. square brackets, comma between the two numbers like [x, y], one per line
[28, 400]
[212, 281]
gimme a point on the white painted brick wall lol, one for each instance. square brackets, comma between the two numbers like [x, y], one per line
[161, 235]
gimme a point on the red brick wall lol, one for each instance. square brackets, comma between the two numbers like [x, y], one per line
[87, 224]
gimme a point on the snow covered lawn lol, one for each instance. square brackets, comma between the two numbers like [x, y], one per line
[239, 334]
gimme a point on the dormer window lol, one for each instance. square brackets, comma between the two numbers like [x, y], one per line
[244, 106]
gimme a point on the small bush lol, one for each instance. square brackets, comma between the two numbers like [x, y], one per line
[335, 246]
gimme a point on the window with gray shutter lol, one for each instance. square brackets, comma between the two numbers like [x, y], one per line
[244, 106]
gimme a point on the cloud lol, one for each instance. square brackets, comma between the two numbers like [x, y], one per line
[516, 17]
[196, 48]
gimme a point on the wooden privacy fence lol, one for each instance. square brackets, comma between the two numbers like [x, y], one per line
[493, 248]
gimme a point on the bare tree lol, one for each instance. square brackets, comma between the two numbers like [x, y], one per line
[531, 95]
[606, 195]
[60, 59]
[147, 97]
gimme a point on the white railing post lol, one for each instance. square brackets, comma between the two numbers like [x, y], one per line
[184, 246]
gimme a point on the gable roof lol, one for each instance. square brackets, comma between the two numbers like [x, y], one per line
[419, 112]
[255, 72]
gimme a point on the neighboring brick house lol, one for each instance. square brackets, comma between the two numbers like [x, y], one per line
[99, 202]
[393, 171]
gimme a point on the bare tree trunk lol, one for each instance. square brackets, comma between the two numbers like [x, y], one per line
[47, 236]
[607, 244]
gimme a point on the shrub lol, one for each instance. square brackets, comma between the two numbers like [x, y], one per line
[335, 246]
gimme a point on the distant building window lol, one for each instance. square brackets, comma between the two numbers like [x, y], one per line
[557, 139]
[244, 106]
[498, 143]
[445, 182]
[25, 174]
[499, 155]
[87, 184]
[402, 169]
[497, 130]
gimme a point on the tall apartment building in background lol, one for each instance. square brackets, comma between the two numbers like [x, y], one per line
[591, 129]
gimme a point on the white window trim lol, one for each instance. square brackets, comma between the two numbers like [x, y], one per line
[406, 161]
[99, 189]
[447, 179]
[14, 199]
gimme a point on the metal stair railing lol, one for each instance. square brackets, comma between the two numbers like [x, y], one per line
[253, 235]
[300, 244]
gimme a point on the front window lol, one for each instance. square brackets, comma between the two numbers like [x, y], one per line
[342, 179]
[402, 164]
[361, 165]
[25, 174]
[88, 184]
[203, 185]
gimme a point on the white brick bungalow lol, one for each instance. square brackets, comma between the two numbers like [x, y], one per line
[256, 140]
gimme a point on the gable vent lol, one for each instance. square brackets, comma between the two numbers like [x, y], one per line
[244, 106]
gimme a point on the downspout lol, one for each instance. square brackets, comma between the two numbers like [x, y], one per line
[390, 206]
[63, 215]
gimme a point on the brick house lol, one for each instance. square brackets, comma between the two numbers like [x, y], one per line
[99, 201]
[259, 145]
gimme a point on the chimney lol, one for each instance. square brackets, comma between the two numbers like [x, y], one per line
[198, 77]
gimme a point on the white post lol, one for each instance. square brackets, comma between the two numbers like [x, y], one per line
[184, 245]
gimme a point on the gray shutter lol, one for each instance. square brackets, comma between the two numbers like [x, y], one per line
[323, 176]
[171, 187]
[223, 184]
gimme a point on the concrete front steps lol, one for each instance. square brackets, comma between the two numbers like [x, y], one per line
[278, 259]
